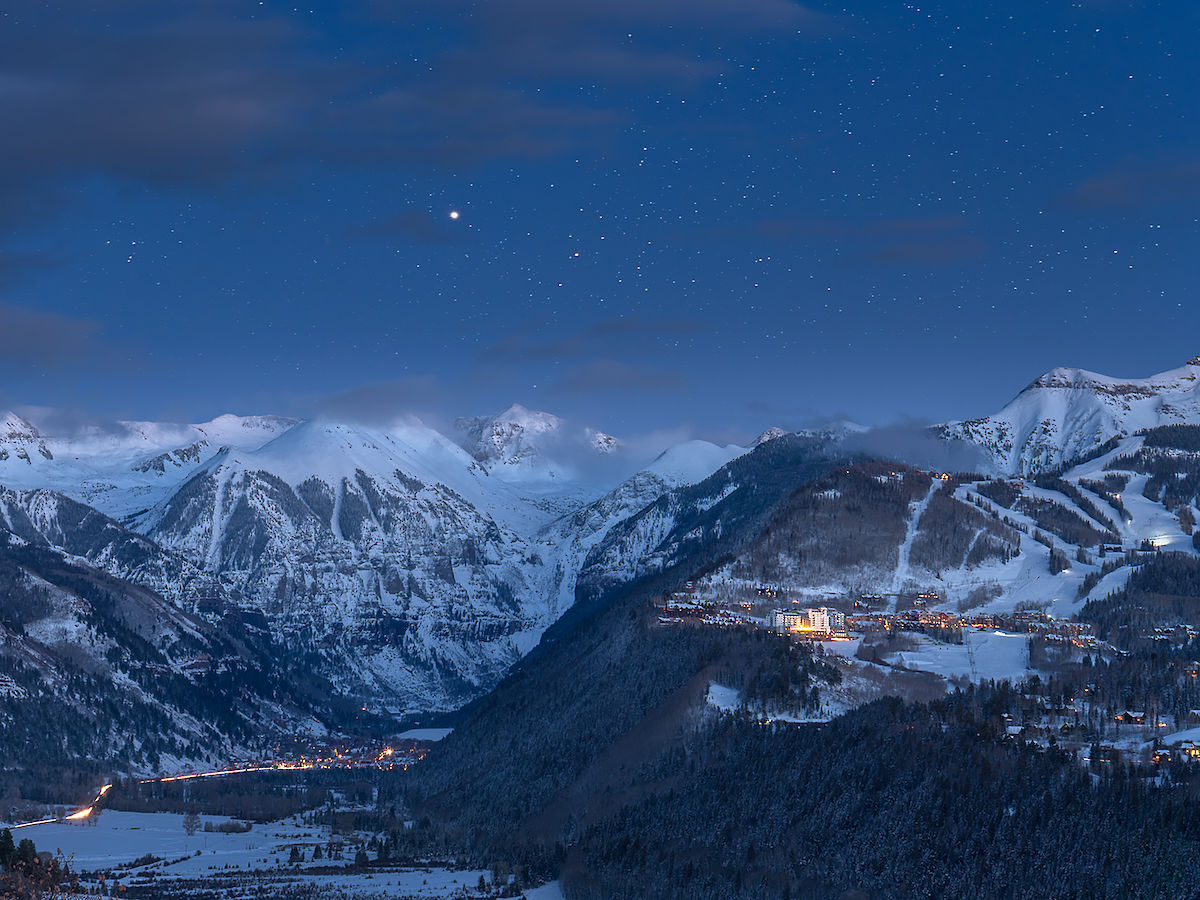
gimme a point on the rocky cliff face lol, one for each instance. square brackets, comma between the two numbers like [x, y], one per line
[354, 539]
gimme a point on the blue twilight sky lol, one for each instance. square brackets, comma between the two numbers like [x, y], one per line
[714, 215]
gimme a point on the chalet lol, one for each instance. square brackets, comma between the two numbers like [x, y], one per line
[1132, 717]
[1013, 732]
[1190, 749]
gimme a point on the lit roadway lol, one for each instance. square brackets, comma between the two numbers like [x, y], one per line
[80, 814]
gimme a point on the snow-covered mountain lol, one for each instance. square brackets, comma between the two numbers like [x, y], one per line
[416, 568]
[123, 467]
[47, 519]
[405, 559]
[102, 665]
[519, 443]
[20, 441]
[566, 542]
[1069, 413]
[422, 575]
[392, 549]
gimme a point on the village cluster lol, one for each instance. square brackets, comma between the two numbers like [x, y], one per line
[1083, 719]
[827, 623]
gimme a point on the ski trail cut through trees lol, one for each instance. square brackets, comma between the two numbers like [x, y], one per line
[906, 547]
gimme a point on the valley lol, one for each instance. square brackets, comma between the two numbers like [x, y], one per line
[295, 600]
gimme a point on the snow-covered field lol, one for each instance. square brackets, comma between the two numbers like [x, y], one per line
[982, 655]
[113, 840]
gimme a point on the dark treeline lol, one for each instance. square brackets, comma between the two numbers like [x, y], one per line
[953, 534]
[1174, 437]
[897, 801]
[514, 777]
[1109, 490]
[1174, 476]
[894, 800]
[256, 796]
[1062, 522]
[850, 518]
[999, 491]
[1163, 592]
[1050, 483]
[597, 763]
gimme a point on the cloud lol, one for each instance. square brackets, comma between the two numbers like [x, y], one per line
[142, 93]
[415, 225]
[609, 375]
[69, 422]
[30, 338]
[383, 402]
[910, 242]
[15, 264]
[460, 123]
[618, 336]
[225, 92]
[1137, 184]
[536, 78]
[918, 445]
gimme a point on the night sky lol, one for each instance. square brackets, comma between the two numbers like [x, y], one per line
[708, 215]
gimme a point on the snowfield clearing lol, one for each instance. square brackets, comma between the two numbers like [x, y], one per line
[982, 655]
[114, 840]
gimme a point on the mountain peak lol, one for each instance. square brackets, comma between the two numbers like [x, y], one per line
[769, 434]
[18, 437]
[1069, 412]
[601, 442]
[505, 437]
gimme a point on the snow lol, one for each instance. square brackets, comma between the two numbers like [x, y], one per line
[118, 838]
[425, 734]
[550, 891]
[1068, 412]
[1188, 734]
[693, 461]
[903, 573]
[983, 655]
[723, 698]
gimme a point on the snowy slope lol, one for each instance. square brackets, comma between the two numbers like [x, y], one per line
[1068, 413]
[48, 519]
[565, 543]
[128, 466]
[395, 550]
[938, 545]
[109, 665]
[533, 448]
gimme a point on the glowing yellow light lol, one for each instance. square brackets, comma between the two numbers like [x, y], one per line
[454, 214]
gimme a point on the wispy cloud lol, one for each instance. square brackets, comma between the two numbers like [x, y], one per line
[618, 336]
[917, 242]
[1137, 184]
[610, 375]
[31, 338]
